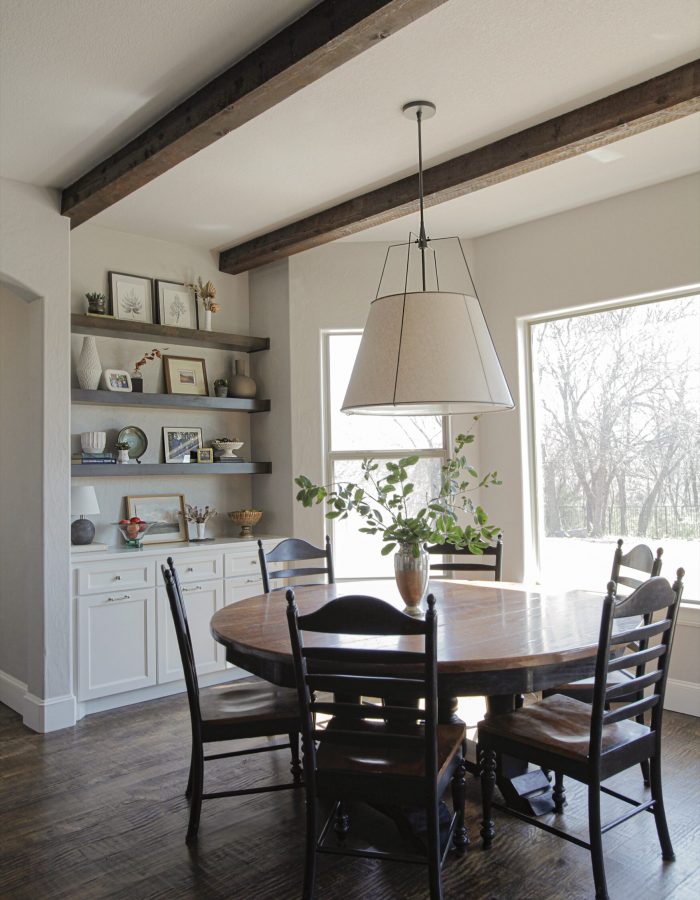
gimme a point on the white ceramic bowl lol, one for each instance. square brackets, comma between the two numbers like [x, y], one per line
[93, 441]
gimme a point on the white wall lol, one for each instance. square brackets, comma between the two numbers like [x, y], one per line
[96, 251]
[34, 258]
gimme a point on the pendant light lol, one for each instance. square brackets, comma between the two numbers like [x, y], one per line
[427, 352]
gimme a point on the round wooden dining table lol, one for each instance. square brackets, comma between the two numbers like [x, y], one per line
[498, 640]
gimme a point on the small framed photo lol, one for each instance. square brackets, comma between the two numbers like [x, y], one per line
[205, 455]
[117, 380]
[175, 305]
[186, 375]
[131, 297]
[181, 444]
[168, 510]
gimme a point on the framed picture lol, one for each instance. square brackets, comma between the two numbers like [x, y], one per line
[205, 455]
[131, 297]
[117, 380]
[181, 444]
[175, 305]
[168, 510]
[185, 375]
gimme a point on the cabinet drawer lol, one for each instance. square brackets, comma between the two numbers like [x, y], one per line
[115, 575]
[116, 642]
[244, 560]
[196, 568]
[201, 602]
[239, 588]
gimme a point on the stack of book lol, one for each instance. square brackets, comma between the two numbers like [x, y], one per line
[92, 458]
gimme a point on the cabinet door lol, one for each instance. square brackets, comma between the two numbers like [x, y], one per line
[202, 601]
[116, 642]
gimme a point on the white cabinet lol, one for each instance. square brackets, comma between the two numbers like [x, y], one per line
[202, 600]
[116, 642]
[241, 588]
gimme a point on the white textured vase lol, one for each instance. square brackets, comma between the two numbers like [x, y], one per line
[200, 528]
[207, 320]
[93, 441]
[89, 368]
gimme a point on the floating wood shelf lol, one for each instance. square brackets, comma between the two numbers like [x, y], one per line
[134, 470]
[169, 401]
[104, 326]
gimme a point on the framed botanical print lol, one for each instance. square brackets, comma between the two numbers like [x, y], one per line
[175, 305]
[166, 510]
[181, 444]
[186, 375]
[131, 297]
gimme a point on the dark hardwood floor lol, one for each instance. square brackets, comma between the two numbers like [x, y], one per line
[99, 811]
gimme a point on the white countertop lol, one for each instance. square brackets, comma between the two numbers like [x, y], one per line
[170, 549]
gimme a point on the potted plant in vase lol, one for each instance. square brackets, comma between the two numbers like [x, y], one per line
[221, 387]
[199, 517]
[387, 503]
[137, 374]
[205, 292]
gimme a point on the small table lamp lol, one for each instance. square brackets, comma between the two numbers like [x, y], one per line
[83, 501]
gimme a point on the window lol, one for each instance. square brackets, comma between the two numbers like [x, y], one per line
[350, 439]
[616, 402]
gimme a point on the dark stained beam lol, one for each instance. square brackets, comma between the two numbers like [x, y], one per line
[655, 102]
[329, 35]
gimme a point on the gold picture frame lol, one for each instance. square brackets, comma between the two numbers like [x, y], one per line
[166, 509]
[186, 375]
[205, 455]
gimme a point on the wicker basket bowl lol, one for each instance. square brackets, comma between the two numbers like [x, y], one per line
[246, 518]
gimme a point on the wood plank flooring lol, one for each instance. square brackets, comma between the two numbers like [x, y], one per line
[98, 811]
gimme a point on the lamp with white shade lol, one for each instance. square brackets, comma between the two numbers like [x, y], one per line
[427, 352]
[83, 502]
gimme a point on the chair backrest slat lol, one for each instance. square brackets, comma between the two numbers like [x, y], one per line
[496, 551]
[634, 685]
[184, 640]
[640, 657]
[630, 710]
[293, 550]
[398, 724]
[642, 633]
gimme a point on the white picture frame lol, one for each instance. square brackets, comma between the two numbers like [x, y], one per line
[176, 305]
[168, 510]
[117, 380]
[131, 297]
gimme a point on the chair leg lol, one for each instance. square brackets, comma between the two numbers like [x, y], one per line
[196, 794]
[433, 837]
[188, 790]
[644, 766]
[487, 763]
[297, 771]
[310, 856]
[559, 792]
[596, 840]
[659, 811]
[459, 788]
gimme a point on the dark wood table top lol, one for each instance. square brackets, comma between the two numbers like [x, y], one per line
[491, 637]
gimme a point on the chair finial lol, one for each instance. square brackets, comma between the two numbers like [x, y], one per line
[659, 552]
[290, 598]
[619, 543]
[431, 602]
[611, 589]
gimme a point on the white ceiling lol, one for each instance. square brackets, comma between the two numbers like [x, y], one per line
[95, 72]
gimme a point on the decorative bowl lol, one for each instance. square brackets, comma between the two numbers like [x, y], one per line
[225, 448]
[246, 518]
[133, 532]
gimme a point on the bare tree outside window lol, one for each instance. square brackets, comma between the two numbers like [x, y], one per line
[617, 410]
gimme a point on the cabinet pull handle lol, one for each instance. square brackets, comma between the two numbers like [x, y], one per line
[115, 599]
[117, 578]
[250, 580]
[253, 562]
[189, 569]
[195, 587]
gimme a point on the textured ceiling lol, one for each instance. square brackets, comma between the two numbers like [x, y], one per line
[108, 67]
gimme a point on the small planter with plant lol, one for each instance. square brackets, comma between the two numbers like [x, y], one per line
[123, 452]
[221, 387]
[97, 303]
[199, 516]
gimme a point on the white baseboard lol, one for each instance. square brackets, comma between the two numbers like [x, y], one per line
[12, 692]
[682, 697]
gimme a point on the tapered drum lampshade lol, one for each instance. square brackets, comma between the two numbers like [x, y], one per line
[83, 502]
[426, 353]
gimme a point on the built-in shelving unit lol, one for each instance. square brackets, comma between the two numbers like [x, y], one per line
[131, 470]
[168, 401]
[106, 326]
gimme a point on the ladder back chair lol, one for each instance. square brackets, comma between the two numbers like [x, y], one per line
[485, 564]
[390, 754]
[643, 562]
[591, 743]
[295, 550]
[248, 708]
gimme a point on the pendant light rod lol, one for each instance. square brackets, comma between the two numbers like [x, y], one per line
[420, 109]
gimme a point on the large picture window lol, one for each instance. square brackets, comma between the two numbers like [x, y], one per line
[616, 402]
[350, 439]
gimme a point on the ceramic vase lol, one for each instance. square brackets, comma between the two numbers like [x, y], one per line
[200, 528]
[241, 385]
[88, 368]
[122, 456]
[411, 573]
[93, 441]
[207, 320]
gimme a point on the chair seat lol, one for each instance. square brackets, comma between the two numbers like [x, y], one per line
[403, 761]
[247, 700]
[561, 725]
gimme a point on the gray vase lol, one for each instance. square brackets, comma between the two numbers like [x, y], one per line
[88, 368]
[412, 576]
[241, 385]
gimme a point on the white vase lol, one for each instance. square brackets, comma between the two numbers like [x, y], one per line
[88, 368]
[207, 320]
[93, 441]
[122, 456]
[200, 528]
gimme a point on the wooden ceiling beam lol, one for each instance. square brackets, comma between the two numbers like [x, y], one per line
[628, 112]
[329, 35]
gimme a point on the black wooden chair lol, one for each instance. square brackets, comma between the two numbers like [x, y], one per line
[591, 743]
[294, 550]
[249, 708]
[391, 754]
[484, 564]
[641, 560]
